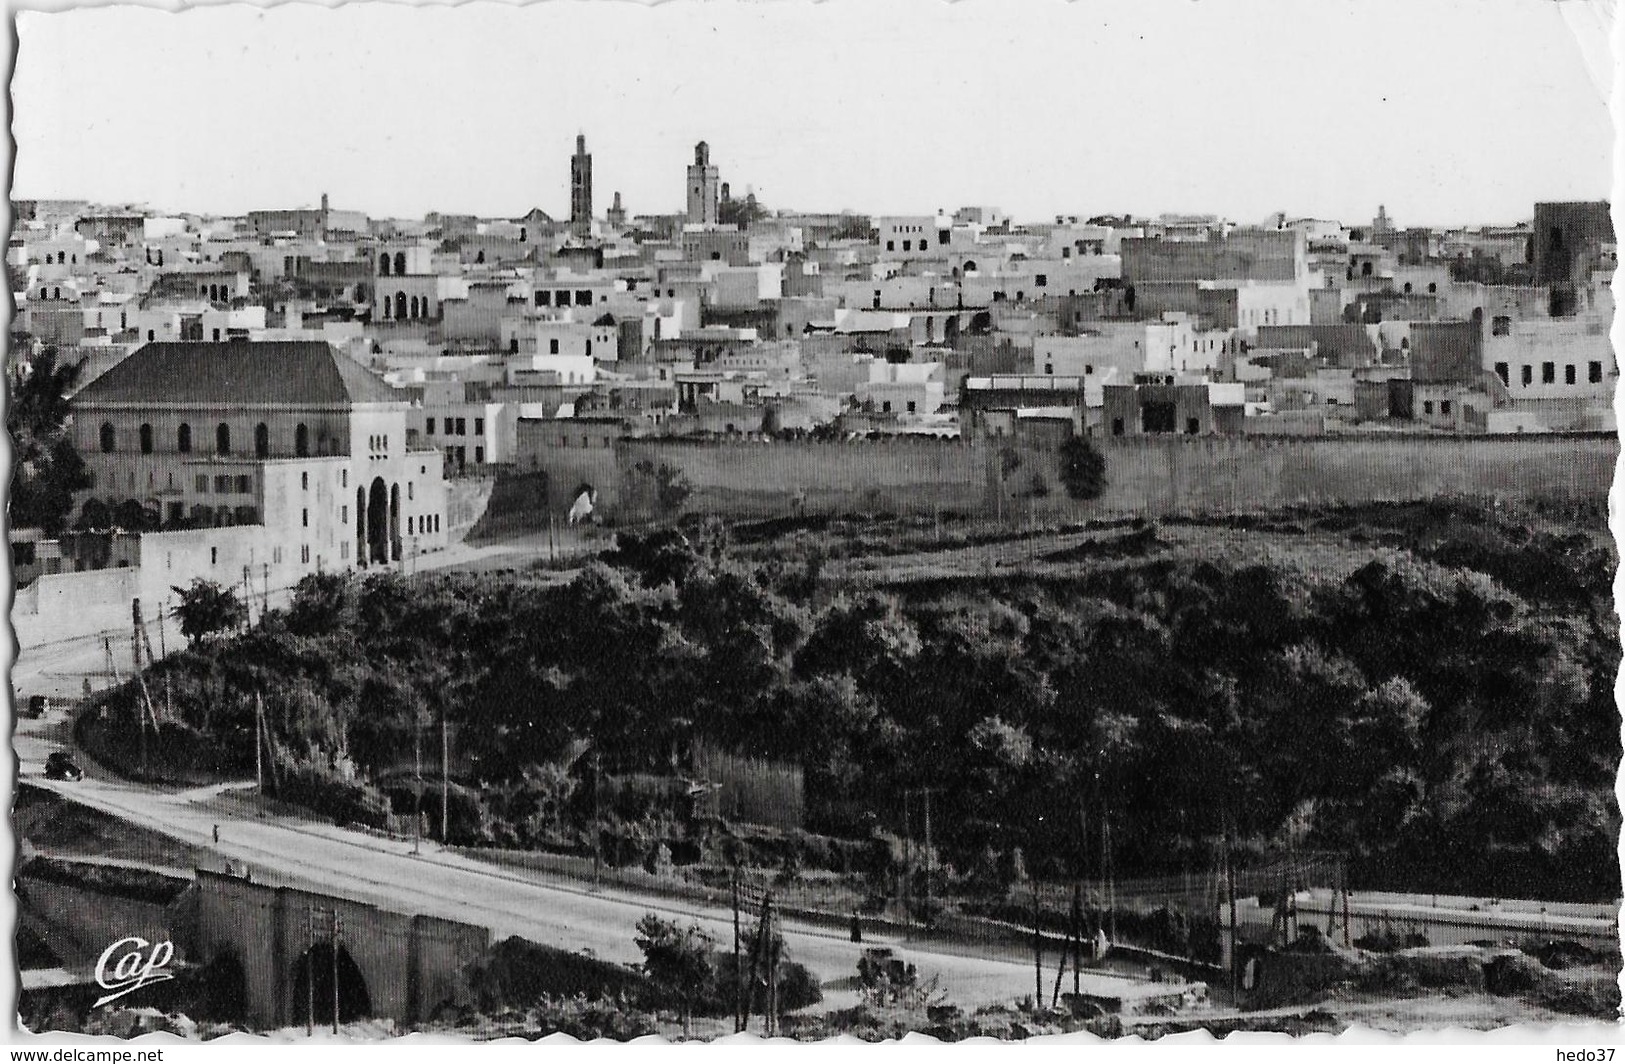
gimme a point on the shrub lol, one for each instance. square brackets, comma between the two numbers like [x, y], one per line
[587, 1018]
[322, 790]
[1083, 469]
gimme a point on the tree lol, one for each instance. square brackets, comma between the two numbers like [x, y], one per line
[1083, 468]
[207, 608]
[95, 516]
[43, 487]
[48, 469]
[678, 961]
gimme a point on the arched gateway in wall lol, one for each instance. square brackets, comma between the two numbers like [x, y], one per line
[378, 523]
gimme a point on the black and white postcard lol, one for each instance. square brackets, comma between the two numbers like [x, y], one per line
[976, 520]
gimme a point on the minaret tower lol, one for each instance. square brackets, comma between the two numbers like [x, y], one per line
[702, 187]
[581, 190]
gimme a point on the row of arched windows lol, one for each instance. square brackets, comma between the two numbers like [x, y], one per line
[222, 439]
[400, 264]
[216, 293]
[403, 308]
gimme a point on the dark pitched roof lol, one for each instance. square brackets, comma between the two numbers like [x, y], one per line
[239, 372]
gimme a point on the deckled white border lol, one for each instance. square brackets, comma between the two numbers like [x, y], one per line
[1503, 1044]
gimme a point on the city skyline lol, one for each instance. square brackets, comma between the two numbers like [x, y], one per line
[412, 101]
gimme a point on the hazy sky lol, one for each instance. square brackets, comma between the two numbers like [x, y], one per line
[1446, 112]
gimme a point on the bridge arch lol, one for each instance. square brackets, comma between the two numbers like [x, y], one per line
[312, 980]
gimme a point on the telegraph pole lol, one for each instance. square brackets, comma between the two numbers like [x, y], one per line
[417, 783]
[259, 751]
[1038, 954]
[336, 936]
[926, 796]
[908, 863]
[1230, 888]
[310, 972]
[597, 817]
[739, 962]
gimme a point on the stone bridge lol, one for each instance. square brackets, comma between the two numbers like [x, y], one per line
[388, 964]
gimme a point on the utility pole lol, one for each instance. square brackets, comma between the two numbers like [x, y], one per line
[135, 635]
[265, 584]
[739, 961]
[445, 780]
[1230, 888]
[310, 972]
[597, 817]
[1077, 936]
[336, 937]
[417, 783]
[926, 797]
[908, 864]
[259, 752]
[772, 983]
[162, 609]
[1038, 953]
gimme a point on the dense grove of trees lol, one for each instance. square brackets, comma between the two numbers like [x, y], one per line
[46, 469]
[1443, 714]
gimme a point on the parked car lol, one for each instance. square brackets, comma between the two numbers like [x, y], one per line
[59, 766]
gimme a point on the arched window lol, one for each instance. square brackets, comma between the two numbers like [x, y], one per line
[400, 263]
[480, 257]
[400, 305]
[383, 264]
[522, 233]
[108, 437]
[146, 439]
[56, 293]
[414, 307]
[301, 441]
[387, 303]
[222, 439]
[183, 439]
[262, 441]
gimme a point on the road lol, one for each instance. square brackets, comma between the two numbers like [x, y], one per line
[387, 873]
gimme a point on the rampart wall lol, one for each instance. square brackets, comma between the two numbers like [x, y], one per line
[1145, 476]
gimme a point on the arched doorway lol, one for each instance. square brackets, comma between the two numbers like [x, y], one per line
[361, 526]
[395, 522]
[378, 522]
[313, 991]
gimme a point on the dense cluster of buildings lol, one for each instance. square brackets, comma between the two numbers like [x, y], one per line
[312, 381]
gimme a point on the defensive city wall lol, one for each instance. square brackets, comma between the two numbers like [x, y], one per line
[1144, 476]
